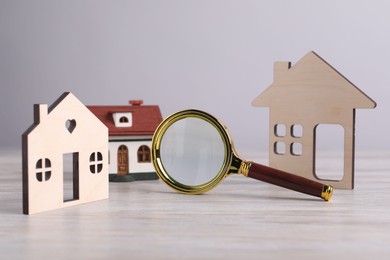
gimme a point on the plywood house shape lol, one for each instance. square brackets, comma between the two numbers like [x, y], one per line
[64, 157]
[131, 128]
[301, 98]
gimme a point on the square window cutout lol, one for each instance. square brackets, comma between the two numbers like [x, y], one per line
[297, 130]
[280, 130]
[296, 149]
[279, 148]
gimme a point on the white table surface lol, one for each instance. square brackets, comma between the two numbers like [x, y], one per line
[240, 219]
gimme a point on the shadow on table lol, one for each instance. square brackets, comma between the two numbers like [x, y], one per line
[246, 196]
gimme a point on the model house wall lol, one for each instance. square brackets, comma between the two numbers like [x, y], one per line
[301, 98]
[65, 142]
[134, 147]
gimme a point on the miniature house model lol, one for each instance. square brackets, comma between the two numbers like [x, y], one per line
[64, 157]
[301, 98]
[131, 129]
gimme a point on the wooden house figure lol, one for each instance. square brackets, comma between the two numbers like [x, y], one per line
[64, 157]
[131, 128]
[302, 97]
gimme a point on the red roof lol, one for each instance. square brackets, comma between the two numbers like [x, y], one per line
[145, 119]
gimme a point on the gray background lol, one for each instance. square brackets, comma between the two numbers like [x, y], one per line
[211, 55]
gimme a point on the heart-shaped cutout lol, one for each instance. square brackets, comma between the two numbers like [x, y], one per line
[70, 125]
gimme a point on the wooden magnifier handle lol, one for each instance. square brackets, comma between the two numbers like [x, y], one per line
[289, 181]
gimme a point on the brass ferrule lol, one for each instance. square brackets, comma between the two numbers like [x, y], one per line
[327, 192]
[244, 168]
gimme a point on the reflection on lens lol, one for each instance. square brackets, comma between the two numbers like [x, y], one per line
[192, 151]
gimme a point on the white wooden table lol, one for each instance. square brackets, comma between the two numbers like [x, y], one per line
[240, 219]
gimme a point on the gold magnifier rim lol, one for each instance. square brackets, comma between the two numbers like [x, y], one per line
[156, 145]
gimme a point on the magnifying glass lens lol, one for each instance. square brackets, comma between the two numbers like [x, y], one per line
[192, 151]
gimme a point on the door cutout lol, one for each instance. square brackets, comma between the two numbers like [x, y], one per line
[329, 152]
[71, 176]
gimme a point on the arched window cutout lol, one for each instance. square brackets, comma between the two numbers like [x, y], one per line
[43, 169]
[123, 119]
[96, 162]
[143, 154]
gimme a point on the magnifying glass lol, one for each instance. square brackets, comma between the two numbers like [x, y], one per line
[192, 153]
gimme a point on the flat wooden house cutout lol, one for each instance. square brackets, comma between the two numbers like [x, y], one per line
[66, 142]
[302, 97]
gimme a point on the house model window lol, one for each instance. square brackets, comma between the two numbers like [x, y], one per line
[43, 170]
[96, 162]
[123, 119]
[144, 154]
[291, 137]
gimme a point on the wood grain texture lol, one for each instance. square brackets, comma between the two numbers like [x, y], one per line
[240, 219]
[307, 94]
[67, 127]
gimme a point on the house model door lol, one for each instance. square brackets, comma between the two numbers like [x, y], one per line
[123, 160]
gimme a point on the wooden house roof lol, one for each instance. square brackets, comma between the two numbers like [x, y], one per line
[311, 81]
